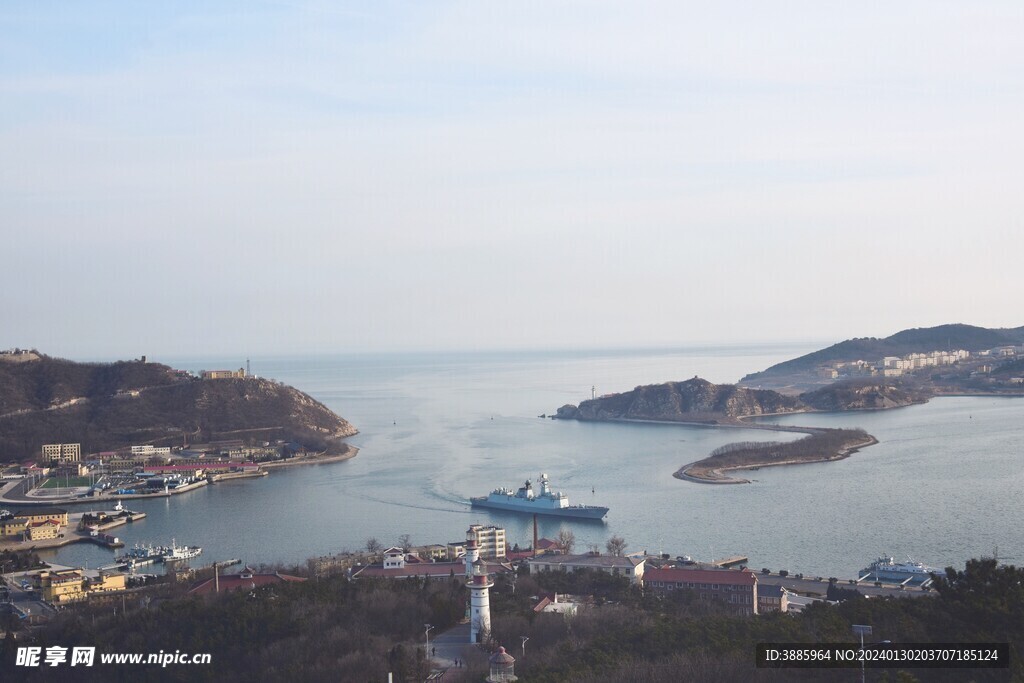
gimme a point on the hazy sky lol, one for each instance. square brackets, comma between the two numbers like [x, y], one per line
[256, 177]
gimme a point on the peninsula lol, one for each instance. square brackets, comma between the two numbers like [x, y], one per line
[107, 407]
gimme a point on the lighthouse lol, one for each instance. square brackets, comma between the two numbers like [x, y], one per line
[479, 603]
[472, 555]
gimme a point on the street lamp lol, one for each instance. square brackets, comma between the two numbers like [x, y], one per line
[426, 634]
[861, 630]
[524, 639]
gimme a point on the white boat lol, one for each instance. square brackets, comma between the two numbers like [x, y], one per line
[176, 553]
[888, 568]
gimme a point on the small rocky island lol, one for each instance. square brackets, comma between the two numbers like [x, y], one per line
[822, 445]
[115, 405]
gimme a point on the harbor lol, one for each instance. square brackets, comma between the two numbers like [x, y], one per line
[141, 555]
[82, 527]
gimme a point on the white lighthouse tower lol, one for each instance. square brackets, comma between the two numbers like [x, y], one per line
[472, 555]
[479, 603]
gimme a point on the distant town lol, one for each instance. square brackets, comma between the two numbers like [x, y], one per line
[979, 365]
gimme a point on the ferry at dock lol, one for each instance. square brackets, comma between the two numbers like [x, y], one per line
[546, 502]
[888, 569]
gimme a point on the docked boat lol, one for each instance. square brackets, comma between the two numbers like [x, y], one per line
[544, 502]
[140, 555]
[888, 569]
[177, 553]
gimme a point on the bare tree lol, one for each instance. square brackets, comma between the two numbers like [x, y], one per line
[373, 545]
[616, 545]
[566, 539]
[405, 540]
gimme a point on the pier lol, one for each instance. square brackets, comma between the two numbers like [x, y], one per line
[731, 561]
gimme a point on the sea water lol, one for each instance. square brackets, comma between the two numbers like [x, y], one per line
[941, 486]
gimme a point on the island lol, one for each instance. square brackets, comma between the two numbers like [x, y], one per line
[822, 445]
[906, 368]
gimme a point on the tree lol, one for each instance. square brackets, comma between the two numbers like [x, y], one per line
[373, 545]
[566, 539]
[405, 540]
[616, 545]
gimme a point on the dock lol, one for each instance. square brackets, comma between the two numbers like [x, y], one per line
[731, 561]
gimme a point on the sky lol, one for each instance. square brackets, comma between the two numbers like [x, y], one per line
[255, 177]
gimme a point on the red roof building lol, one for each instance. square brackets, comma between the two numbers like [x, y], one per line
[246, 580]
[737, 589]
[546, 545]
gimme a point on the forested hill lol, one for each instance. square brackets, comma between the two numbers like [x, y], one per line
[105, 406]
[917, 340]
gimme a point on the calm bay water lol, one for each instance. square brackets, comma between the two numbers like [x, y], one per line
[943, 485]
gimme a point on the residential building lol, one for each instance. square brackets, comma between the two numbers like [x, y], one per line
[42, 514]
[223, 374]
[629, 567]
[149, 450]
[567, 605]
[69, 585]
[12, 526]
[432, 552]
[107, 582]
[545, 546]
[394, 558]
[772, 599]
[64, 585]
[40, 531]
[62, 452]
[736, 589]
[490, 540]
